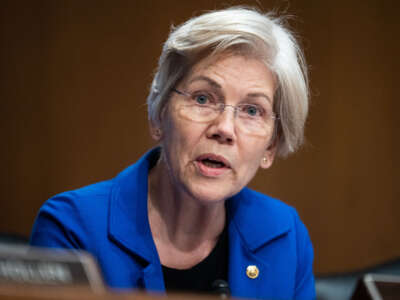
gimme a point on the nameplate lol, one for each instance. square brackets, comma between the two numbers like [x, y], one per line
[48, 267]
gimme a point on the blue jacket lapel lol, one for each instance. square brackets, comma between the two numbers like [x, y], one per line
[250, 231]
[128, 220]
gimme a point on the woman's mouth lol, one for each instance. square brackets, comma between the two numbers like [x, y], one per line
[211, 165]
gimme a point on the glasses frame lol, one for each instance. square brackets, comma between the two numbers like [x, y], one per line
[222, 105]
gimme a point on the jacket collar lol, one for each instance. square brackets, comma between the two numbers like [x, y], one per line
[128, 218]
[256, 217]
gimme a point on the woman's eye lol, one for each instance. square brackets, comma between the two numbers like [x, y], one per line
[252, 110]
[201, 99]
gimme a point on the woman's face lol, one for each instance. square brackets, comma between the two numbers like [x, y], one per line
[213, 160]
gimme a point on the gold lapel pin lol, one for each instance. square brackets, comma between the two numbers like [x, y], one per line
[252, 271]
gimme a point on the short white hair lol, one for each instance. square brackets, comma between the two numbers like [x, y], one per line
[247, 32]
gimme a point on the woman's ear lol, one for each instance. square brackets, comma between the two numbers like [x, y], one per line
[269, 156]
[155, 132]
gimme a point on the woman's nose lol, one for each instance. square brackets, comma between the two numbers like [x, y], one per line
[222, 128]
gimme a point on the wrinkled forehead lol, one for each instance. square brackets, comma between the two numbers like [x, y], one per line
[246, 74]
[202, 62]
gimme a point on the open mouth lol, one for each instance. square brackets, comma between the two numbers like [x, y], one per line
[213, 161]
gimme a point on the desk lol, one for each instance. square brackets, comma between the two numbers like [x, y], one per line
[69, 293]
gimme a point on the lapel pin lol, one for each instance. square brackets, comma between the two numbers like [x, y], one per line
[252, 272]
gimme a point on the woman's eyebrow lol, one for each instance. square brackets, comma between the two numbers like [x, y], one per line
[260, 95]
[208, 79]
[218, 86]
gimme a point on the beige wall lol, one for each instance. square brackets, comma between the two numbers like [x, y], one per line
[73, 80]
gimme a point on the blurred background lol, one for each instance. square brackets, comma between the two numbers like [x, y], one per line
[74, 76]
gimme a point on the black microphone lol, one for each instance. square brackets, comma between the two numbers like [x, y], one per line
[221, 288]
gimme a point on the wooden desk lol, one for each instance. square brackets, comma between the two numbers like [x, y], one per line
[63, 293]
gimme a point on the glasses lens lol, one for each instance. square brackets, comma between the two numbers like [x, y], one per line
[247, 125]
[258, 127]
[196, 113]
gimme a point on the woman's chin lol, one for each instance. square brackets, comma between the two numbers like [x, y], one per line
[209, 195]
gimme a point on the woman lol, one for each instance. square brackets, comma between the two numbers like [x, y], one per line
[229, 94]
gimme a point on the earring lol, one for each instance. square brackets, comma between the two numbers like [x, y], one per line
[264, 160]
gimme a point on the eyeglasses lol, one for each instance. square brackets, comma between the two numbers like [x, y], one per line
[204, 107]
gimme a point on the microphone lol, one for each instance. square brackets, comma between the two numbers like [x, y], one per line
[221, 288]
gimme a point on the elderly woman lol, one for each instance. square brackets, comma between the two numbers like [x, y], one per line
[230, 94]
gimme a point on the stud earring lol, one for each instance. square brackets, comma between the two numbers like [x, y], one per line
[264, 160]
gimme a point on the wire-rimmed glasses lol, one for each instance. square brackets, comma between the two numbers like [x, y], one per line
[203, 107]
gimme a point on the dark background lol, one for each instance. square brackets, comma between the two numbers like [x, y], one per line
[74, 76]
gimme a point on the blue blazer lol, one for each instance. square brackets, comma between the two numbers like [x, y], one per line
[109, 220]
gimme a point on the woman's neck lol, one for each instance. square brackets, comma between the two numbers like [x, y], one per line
[177, 220]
